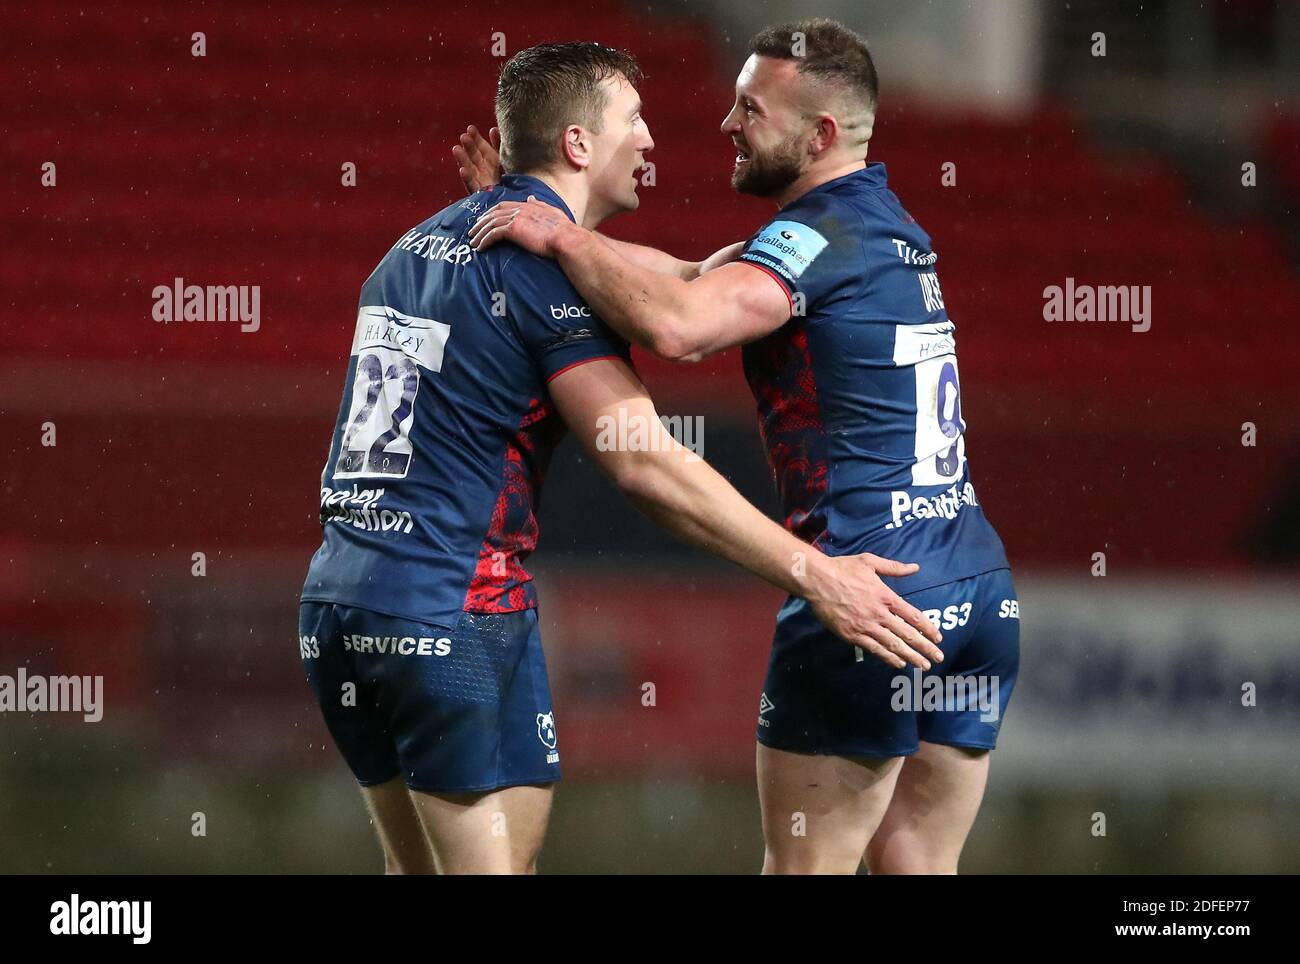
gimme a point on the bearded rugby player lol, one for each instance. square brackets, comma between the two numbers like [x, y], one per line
[418, 624]
[851, 356]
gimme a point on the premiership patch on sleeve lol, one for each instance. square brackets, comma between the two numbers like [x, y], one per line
[786, 246]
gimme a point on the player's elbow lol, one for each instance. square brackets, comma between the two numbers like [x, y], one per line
[682, 352]
[654, 478]
[673, 342]
[636, 476]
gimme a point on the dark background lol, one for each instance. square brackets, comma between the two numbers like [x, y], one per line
[1085, 438]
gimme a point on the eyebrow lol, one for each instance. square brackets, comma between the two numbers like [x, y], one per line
[635, 110]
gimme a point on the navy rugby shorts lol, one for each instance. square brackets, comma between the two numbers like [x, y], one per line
[450, 711]
[823, 695]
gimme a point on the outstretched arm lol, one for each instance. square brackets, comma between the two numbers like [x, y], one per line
[687, 497]
[661, 262]
[676, 319]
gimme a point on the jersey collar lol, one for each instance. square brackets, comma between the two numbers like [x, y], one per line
[870, 178]
[528, 184]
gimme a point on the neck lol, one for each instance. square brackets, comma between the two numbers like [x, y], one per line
[573, 191]
[815, 177]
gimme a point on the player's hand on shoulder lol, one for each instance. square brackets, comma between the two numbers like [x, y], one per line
[531, 224]
[852, 601]
[478, 159]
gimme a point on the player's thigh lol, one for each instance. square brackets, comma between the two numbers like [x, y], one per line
[348, 693]
[498, 832]
[401, 834]
[527, 811]
[819, 810]
[931, 812]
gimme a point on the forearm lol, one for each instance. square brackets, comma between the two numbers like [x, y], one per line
[652, 259]
[697, 505]
[646, 308]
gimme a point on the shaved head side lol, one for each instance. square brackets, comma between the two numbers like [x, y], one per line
[837, 70]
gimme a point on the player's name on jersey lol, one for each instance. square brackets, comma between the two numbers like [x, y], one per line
[910, 255]
[435, 247]
[221, 303]
[1074, 302]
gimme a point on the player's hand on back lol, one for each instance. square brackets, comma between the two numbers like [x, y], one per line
[532, 225]
[853, 602]
[479, 159]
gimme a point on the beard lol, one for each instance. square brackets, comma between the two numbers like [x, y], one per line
[764, 175]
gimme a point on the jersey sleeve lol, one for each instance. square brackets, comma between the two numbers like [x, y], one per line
[806, 248]
[558, 328]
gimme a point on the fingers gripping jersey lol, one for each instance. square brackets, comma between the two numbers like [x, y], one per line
[443, 437]
[859, 397]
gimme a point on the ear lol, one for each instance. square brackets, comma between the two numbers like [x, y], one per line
[825, 135]
[576, 147]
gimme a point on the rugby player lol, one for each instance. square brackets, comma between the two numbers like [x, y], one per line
[851, 356]
[418, 623]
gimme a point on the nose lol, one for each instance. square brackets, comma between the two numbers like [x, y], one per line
[730, 123]
[647, 142]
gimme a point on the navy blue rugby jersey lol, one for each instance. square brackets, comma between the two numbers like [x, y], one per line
[445, 430]
[859, 397]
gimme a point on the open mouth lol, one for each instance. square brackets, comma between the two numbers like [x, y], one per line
[741, 157]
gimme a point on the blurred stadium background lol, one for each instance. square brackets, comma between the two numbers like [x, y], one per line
[225, 169]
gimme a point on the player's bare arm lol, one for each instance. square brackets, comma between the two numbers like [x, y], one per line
[686, 496]
[676, 319]
[479, 166]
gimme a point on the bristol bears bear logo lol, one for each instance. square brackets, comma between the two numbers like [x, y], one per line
[546, 729]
